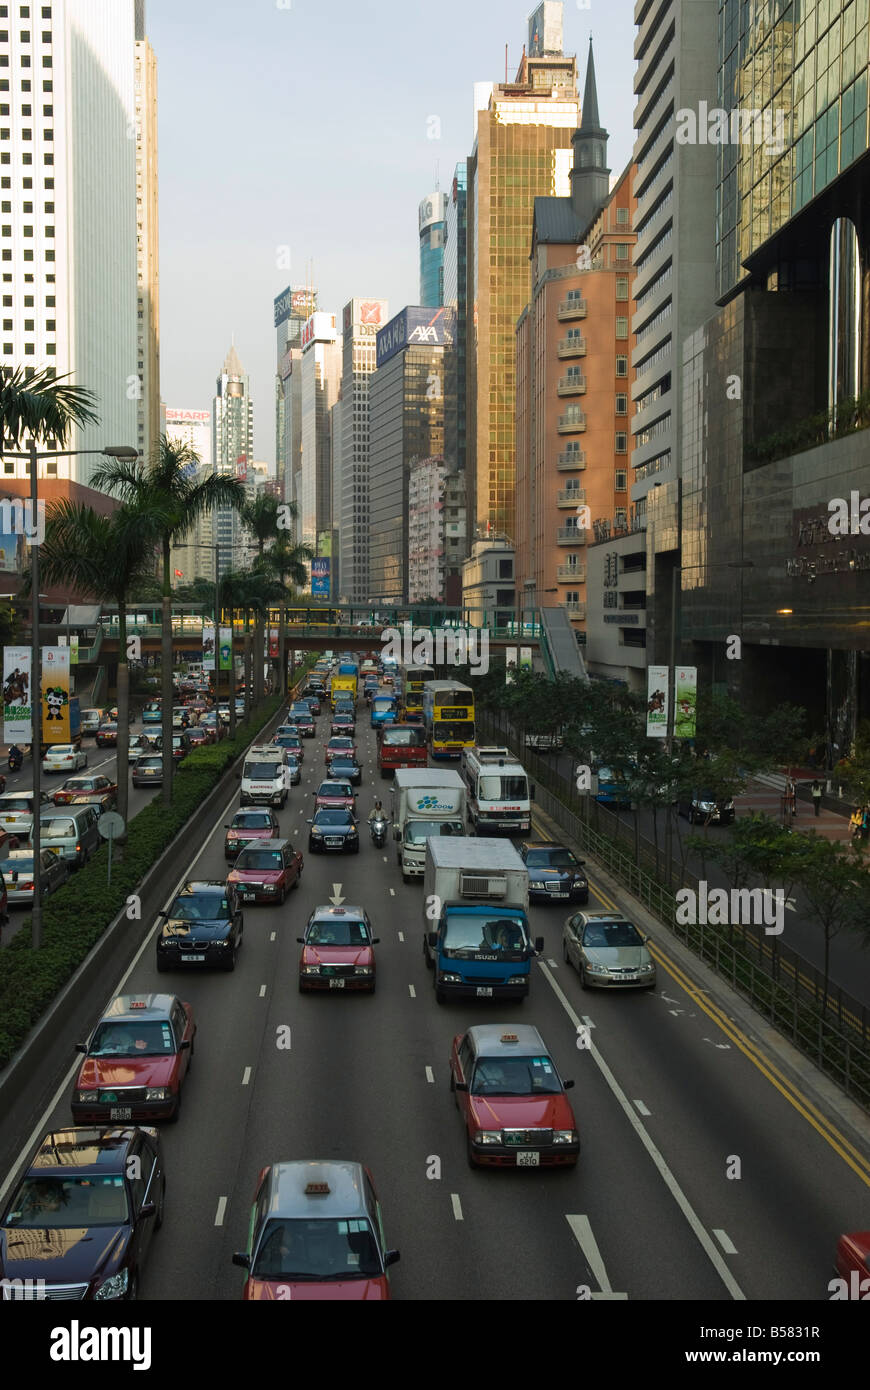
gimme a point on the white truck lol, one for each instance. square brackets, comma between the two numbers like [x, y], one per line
[499, 793]
[476, 931]
[426, 802]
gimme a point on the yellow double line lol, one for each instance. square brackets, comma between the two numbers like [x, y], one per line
[857, 1161]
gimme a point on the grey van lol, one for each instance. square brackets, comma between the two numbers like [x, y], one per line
[72, 832]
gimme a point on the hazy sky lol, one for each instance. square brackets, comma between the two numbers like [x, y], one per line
[299, 127]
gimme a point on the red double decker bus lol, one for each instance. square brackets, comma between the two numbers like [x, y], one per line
[401, 745]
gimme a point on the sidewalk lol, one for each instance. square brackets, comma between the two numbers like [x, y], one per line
[761, 796]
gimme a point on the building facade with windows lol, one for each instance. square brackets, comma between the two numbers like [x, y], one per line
[291, 311]
[488, 580]
[232, 449]
[147, 241]
[362, 319]
[68, 229]
[456, 298]
[320, 384]
[432, 218]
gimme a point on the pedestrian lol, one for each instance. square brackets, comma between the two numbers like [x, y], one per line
[817, 796]
[790, 797]
[856, 822]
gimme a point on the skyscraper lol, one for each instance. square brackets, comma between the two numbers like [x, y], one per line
[193, 427]
[362, 320]
[147, 240]
[291, 311]
[68, 231]
[320, 375]
[522, 150]
[433, 212]
[233, 448]
[455, 298]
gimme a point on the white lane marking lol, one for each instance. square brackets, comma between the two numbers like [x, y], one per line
[641, 1108]
[221, 1209]
[392, 892]
[401, 936]
[247, 1076]
[430, 1076]
[723, 1047]
[273, 936]
[657, 1157]
[582, 1229]
[262, 991]
[553, 963]
[412, 991]
[588, 1021]
[457, 1205]
[385, 859]
[725, 1241]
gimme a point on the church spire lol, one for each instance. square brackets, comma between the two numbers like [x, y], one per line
[589, 116]
[590, 176]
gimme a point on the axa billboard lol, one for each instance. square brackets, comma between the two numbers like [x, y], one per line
[416, 327]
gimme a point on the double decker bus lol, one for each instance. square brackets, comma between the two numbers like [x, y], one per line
[448, 713]
[411, 682]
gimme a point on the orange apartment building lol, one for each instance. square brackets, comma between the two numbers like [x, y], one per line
[574, 374]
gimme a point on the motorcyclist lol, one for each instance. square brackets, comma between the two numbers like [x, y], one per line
[377, 812]
[15, 756]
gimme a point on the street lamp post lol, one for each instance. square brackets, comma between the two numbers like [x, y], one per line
[34, 456]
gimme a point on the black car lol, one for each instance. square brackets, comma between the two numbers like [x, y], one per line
[704, 809]
[81, 1219]
[203, 926]
[345, 770]
[555, 874]
[333, 830]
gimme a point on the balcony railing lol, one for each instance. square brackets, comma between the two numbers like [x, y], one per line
[572, 385]
[571, 458]
[576, 610]
[568, 574]
[572, 347]
[571, 497]
[572, 309]
[570, 535]
[570, 424]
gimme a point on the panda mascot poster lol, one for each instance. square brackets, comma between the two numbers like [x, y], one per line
[55, 695]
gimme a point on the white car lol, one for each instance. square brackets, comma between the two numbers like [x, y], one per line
[64, 757]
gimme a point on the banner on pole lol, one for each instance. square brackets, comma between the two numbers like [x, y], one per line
[657, 689]
[208, 646]
[525, 658]
[17, 712]
[226, 649]
[685, 701]
[510, 664]
[273, 641]
[74, 649]
[55, 695]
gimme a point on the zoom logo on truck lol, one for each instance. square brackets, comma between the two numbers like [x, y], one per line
[432, 803]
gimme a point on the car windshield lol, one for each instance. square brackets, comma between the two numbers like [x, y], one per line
[14, 803]
[333, 818]
[337, 933]
[335, 789]
[79, 784]
[485, 933]
[147, 1038]
[200, 907]
[611, 934]
[18, 866]
[550, 859]
[419, 830]
[252, 820]
[259, 859]
[262, 772]
[61, 749]
[53, 829]
[344, 766]
[60, 1203]
[453, 731]
[404, 738]
[340, 745]
[149, 762]
[383, 702]
[493, 788]
[317, 1250]
[515, 1076]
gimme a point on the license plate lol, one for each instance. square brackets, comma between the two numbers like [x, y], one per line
[249, 897]
[528, 1160]
[192, 958]
[558, 895]
[333, 842]
[119, 1112]
[484, 991]
[336, 984]
[52, 850]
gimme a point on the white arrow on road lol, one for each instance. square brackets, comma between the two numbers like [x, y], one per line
[723, 1047]
[336, 898]
[588, 1244]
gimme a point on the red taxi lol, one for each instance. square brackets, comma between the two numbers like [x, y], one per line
[87, 791]
[136, 1061]
[512, 1100]
[264, 872]
[853, 1264]
[339, 747]
[337, 950]
[250, 828]
[334, 796]
[343, 724]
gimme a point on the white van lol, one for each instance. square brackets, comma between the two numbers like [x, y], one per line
[263, 777]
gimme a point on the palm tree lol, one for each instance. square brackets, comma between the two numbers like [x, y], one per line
[104, 557]
[261, 516]
[287, 561]
[169, 481]
[41, 404]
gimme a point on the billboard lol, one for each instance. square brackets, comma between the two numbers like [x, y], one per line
[319, 328]
[297, 301]
[416, 327]
[657, 678]
[433, 209]
[545, 29]
[226, 649]
[17, 715]
[685, 700]
[55, 695]
[367, 315]
[320, 571]
[208, 646]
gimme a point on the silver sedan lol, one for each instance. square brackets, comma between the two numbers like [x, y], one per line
[608, 951]
[18, 875]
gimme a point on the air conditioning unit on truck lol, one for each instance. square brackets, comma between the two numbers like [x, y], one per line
[499, 793]
[476, 934]
[426, 802]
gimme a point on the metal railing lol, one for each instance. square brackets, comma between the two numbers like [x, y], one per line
[571, 458]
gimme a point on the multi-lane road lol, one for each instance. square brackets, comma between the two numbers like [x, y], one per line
[708, 1169]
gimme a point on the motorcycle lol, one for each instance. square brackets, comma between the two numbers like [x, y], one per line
[15, 758]
[378, 829]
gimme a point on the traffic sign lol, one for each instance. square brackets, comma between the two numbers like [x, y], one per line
[111, 825]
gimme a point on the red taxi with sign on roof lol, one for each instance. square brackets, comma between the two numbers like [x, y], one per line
[136, 1061]
[264, 872]
[335, 796]
[512, 1099]
[337, 950]
[316, 1232]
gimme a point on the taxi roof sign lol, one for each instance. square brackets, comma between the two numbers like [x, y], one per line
[138, 1004]
[509, 1037]
[317, 1189]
